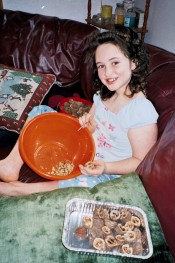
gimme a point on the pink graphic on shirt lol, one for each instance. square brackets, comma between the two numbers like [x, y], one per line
[104, 123]
[111, 127]
[97, 127]
[102, 142]
[99, 155]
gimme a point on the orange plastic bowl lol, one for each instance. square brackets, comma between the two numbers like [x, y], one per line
[54, 137]
[63, 101]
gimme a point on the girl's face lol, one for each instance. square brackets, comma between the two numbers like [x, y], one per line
[114, 69]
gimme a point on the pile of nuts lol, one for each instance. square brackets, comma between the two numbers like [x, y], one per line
[75, 108]
[62, 168]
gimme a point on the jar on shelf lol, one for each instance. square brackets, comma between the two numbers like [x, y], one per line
[106, 11]
[119, 14]
[128, 4]
[129, 19]
[106, 14]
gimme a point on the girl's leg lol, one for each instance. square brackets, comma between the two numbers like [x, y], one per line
[17, 188]
[11, 165]
[86, 181]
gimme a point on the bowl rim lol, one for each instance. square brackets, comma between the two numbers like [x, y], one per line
[31, 165]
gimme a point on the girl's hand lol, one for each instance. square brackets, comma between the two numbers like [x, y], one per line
[98, 169]
[88, 121]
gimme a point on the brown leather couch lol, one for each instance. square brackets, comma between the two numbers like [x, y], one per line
[157, 170]
[22, 49]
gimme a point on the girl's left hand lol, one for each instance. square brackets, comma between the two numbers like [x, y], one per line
[99, 167]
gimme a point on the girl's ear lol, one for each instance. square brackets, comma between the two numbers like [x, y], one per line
[133, 64]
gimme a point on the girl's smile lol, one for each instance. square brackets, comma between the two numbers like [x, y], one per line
[111, 81]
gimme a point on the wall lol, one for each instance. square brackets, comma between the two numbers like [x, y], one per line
[161, 21]
[72, 9]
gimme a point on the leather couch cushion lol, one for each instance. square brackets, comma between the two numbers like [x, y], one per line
[43, 44]
[158, 57]
[157, 174]
[161, 91]
[161, 83]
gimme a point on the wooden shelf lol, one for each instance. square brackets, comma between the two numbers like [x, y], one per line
[100, 24]
[109, 26]
[1, 5]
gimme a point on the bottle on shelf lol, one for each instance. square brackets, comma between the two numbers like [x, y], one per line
[128, 4]
[119, 14]
[129, 18]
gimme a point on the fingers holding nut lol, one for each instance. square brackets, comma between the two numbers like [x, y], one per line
[89, 165]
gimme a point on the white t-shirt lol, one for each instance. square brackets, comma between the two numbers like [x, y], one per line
[111, 134]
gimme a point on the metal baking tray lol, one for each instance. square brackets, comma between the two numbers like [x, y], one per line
[79, 237]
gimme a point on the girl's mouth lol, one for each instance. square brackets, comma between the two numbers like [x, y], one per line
[111, 80]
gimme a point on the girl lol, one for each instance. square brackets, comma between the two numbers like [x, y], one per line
[122, 120]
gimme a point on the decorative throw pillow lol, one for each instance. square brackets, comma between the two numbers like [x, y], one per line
[20, 91]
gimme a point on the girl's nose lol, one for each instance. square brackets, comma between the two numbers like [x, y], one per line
[108, 71]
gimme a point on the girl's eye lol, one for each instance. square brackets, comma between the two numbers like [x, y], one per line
[115, 63]
[100, 66]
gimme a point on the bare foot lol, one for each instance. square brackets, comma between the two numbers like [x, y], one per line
[9, 170]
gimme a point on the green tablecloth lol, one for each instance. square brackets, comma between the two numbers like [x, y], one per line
[31, 226]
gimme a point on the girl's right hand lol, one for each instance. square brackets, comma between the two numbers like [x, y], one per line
[88, 121]
[98, 169]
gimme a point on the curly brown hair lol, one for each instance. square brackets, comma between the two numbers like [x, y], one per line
[132, 47]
